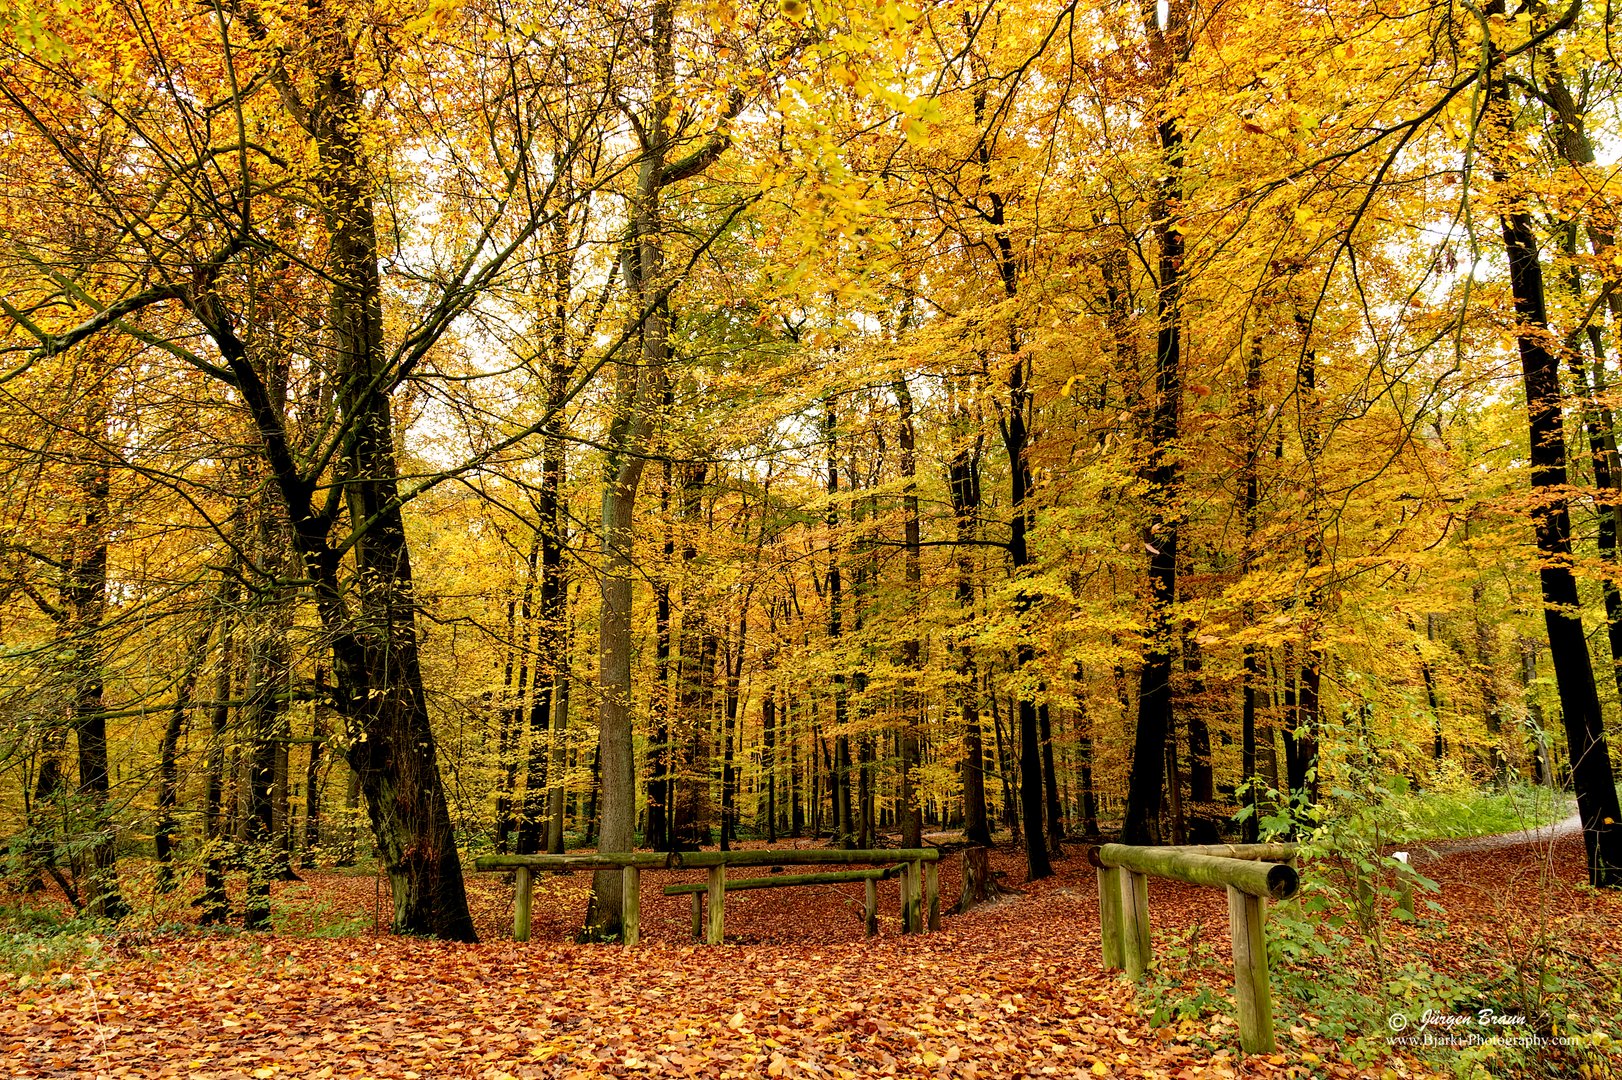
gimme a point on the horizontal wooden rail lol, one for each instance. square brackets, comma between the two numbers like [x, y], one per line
[916, 868]
[642, 860]
[801, 857]
[1269, 880]
[777, 881]
[1257, 852]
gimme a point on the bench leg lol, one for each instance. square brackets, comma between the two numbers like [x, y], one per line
[631, 909]
[521, 905]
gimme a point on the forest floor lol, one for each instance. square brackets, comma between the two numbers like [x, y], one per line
[1012, 988]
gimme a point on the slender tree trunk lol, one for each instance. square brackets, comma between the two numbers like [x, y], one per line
[213, 901]
[1250, 486]
[911, 658]
[163, 837]
[658, 834]
[1201, 777]
[963, 475]
[312, 768]
[1050, 785]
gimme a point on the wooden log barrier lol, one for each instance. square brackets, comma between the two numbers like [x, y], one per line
[915, 881]
[1272, 881]
[870, 906]
[1251, 880]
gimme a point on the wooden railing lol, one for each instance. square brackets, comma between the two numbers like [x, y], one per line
[920, 882]
[1252, 874]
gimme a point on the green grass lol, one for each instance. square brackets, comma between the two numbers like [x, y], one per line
[36, 940]
[1450, 811]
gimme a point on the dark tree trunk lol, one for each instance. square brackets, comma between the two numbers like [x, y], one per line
[549, 635]
[733, 663]
[84, 604]
[163, 836]
[964, 483]
[1202, 826]
[912, 828]
[657, 833]
[1084, 756]
[1005, 772]
[1161, 472]
[1250, 485]
[1050, 785]
[1591, 772]
[216, 835]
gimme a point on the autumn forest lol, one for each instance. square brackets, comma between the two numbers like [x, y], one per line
[439, 429]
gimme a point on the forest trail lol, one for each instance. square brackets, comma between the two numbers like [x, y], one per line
[1010, 989]
[1541, 836]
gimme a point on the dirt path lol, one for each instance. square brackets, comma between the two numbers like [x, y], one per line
[1427, 851]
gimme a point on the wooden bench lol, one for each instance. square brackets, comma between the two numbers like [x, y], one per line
[1252, 874]
[920, 882]
[870, 878]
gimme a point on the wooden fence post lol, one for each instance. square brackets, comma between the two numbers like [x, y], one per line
[1109, 915]
[871, 908]
[521, 905]
[1251, 992]
[932, 894]
[912, 919]
[698, 916]
[631, 909]
[1135, 955]
[718, 902]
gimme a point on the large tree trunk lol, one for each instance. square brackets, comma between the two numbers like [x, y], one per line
[1591, 772]
[373, 626]
[84, 603]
